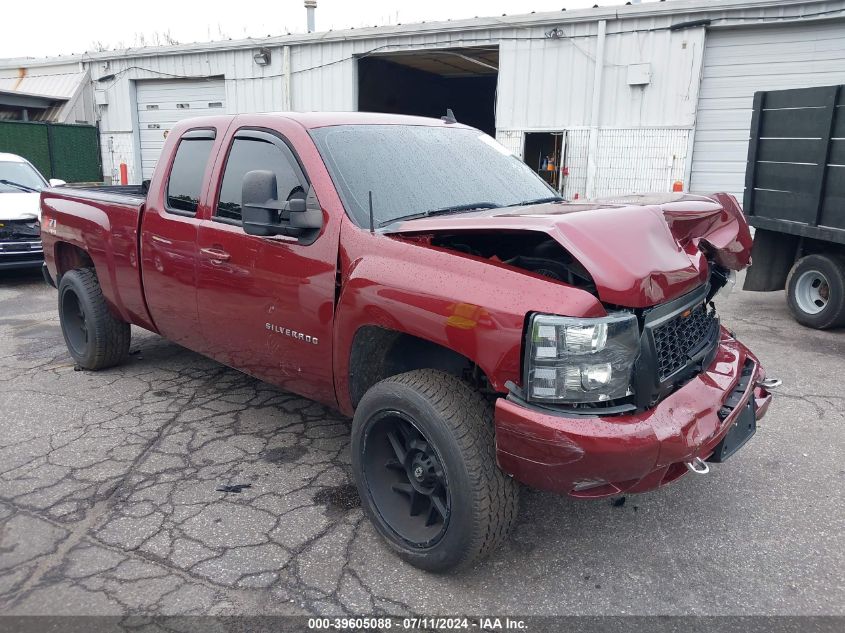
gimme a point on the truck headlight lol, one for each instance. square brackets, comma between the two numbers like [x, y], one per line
[580, 360]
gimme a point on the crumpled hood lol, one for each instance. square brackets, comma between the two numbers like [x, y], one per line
[20, 205]
[638, 255]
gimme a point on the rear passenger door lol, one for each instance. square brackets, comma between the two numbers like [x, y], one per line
[169, 239]
[257, 295]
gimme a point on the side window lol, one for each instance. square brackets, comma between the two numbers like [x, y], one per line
[183, 186]
[246, 155]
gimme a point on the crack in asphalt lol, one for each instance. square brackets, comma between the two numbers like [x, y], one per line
[132, 475]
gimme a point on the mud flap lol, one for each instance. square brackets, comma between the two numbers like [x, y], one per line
[771, 258]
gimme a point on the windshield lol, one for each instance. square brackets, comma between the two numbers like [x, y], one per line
[414, 170]
[24, 174]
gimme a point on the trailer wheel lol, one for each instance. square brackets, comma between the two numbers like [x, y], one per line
[815, 291]
[95, 338]
[423, 458]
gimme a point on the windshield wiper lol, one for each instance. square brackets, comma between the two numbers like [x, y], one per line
[11, 183]
[442, 211]
[525, 203]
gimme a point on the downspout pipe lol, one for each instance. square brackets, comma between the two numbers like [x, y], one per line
[287, 102]
[598, 78]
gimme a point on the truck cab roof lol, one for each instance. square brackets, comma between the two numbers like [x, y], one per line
[311, 120]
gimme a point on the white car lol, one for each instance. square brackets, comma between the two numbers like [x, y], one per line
[20, 210]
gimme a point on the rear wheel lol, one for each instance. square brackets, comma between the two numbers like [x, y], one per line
[423, 458]
[815, 291]
[95, 338]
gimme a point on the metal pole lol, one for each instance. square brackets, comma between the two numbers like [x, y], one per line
[287, 101]
[310, 6]
[593, 145]
[50, 151]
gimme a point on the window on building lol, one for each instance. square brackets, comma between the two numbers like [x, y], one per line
[183, 187]
[246, 155]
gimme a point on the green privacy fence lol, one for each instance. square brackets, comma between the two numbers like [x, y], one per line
[58, 150]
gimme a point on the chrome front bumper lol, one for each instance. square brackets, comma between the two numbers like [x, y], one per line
[21, 254]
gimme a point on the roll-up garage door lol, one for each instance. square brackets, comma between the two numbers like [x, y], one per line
[739, 62]
[161, 104]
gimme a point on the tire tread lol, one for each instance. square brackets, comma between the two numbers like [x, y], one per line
[112, 336]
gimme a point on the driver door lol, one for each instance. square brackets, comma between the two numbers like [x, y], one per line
[256, 295]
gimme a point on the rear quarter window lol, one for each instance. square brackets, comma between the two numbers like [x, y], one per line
[185, 182]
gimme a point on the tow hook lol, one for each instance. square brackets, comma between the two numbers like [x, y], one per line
[770, 384]
[697, 466]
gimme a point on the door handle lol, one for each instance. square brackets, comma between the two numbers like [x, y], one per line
[216, 255]
[161, 240]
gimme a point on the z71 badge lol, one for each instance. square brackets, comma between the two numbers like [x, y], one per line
[50, 226]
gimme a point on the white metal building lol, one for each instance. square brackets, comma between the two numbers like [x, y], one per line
[609, 100]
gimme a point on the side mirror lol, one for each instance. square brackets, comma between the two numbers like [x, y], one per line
[263, 214]
[259, 205]
[56, 182]
[295, 206]
[310, 220]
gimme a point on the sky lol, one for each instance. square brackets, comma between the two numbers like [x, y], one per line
[75, 26]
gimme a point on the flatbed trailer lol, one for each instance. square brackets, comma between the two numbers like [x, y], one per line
[795, 199]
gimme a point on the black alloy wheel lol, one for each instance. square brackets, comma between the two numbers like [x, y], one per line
[74, 324]
[406, 480]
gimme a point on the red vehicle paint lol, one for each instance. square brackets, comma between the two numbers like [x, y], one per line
[250, 301]
[628, 453]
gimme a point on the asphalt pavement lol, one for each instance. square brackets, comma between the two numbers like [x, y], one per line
[109, 500]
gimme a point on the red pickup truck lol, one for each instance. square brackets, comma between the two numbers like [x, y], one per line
[412, 273]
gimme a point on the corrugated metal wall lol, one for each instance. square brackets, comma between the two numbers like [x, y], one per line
[739, 62]
[324, 76]
[67, 81]
[548, 83]
[249, 88]
[545, 84]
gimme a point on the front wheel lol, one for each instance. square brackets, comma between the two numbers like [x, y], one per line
[95, 338]
[815, 291]
[423, 458]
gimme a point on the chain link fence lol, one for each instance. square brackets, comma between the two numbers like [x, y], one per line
[628, 160]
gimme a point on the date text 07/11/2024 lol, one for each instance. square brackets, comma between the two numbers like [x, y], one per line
[425, 623]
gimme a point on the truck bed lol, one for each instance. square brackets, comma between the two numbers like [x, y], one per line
[795, 179]
[111, 193]
[102, 224]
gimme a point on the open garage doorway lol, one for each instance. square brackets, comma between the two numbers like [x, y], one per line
[545, 152]
[425, 83]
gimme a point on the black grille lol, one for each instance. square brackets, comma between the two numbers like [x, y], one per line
[681, 337]
[19, 229]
